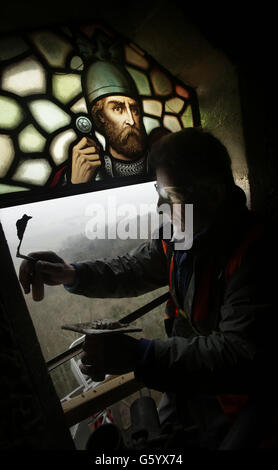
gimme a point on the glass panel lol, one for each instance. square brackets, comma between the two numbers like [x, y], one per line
[24, 78]
[152, 107]
[174, 105]
[66, 87]
[136, 59]
[12, 46]
[187, 118]
[10, 113]
[5, 188]
[141, 81]
[171, 123]
[182, 91]
[53, 48]
[60, 145]
[33, 172]
[150, 124]
[161, 83]
[80, 106]
[49, 115]
[30, 140]
[62, 225]
[7, 154]
[76, 63]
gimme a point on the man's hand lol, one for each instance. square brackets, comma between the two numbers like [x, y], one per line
[50, 269]
[111, 354]
[85, 160]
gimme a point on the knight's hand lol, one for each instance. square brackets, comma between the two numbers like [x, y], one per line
[85, 160]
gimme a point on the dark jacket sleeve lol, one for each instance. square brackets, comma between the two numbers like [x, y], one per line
[241, 355]
[141, 270]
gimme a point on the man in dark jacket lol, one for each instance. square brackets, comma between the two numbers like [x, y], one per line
[221, 317]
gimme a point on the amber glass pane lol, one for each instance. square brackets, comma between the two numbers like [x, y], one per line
[182, 91]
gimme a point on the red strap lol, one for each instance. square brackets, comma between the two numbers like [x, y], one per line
[164, 246]
[232, 404]
[57, 177]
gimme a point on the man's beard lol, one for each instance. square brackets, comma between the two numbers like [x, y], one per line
[131, 142]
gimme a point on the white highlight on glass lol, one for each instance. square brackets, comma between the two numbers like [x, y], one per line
[49, 116]
[59, 146]
[150, 124]
[24, 78]
[33, 171]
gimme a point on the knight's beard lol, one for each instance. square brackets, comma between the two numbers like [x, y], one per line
[130, 142]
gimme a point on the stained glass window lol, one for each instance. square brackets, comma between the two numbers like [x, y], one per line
[58, 85]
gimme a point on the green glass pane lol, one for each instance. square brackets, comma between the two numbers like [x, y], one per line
[161, 83]
[53, 48]
[174, 105]
[141, 81]
[5, 188]
[24, 78]
[135, 58]
[187, 118]
[11, 113]
[171, 123]
[76, 63]
[30, 140]
[66, 87]
[49, 116]
[150, 124]
[33, 172]
[152, 107]
[12, 46]
[60, 146]
[7, 154]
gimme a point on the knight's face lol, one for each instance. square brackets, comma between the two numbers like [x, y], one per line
[122, 124]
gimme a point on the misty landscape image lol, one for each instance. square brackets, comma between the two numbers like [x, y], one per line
[59, 306]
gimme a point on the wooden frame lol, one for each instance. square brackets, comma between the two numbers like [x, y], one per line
[112, 390]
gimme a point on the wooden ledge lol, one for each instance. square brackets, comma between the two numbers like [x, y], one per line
[111, 391]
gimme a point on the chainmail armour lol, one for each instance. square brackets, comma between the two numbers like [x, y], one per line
[114, 167]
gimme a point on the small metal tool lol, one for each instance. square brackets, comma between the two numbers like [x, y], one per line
[113, 327]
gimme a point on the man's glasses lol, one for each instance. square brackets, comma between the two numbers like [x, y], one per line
[172, 194]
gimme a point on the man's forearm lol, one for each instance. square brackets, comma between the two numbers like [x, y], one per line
[140, 271]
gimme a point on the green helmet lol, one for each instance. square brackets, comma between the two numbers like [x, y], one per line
[105, 78]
